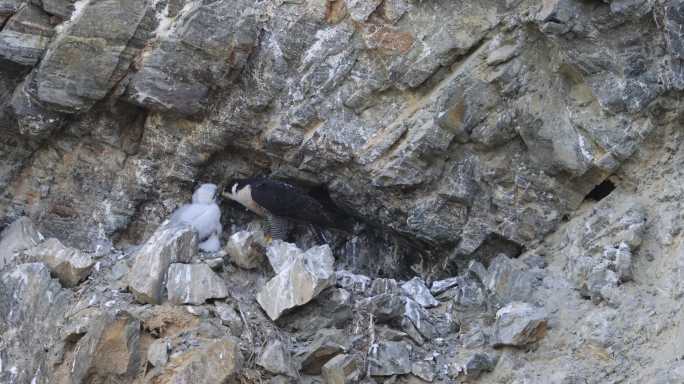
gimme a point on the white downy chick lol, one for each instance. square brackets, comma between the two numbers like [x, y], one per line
[204, 215]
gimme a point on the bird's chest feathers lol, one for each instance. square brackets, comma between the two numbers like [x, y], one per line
[244, 197]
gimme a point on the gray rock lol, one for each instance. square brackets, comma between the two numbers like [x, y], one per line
[282, 254]
[213, 361]
[471, 365]
[69, 265]
[276, 359]
[109, 335]
[599, 258]
[26, 35]
[32, 310]
[423, 370]
[382, 285]
[519, 324]
[389, 358]
[62, 8]
[509, 280]
[245, 250]
[33, 118]
[195, 55]
[19, 236]
[419, 318]
[361, 9]
[441, 286]
[301, 278]
[151, 262]
[158, 352]
[416, 289]
[194, 284]
[352, 282]
[229, 317]
[92, 50]
[384, 307]
[342, 369]
[327, 343]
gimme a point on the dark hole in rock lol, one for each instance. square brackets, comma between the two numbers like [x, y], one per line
[601, 191]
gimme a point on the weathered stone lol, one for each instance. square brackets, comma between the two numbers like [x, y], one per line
[62, 8]
[384, 307]
[158, 352]
[519, 324]
[32, 310]
[78, 67]
[419, 318]
[600, 256]
[342, 369]
[509, 280]
[194, 56]
[361, 9]
[229, 317]
[382, 285]
[353, 282]
[441, 286]
[472, 365]
[33, 118]
[245, 250]
[327, 343]
[389, 358]
[423, 370]
[281, 254]
[26, 35]
[194, 284]
[110, 349]
[151, 262]
[416, 289]
[275, 358]
[214, 361]
[69, 265]
[19, 236]
[300, 279]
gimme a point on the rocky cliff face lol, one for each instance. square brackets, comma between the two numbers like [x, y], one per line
[521, 158]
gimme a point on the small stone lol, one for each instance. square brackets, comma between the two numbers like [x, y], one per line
[382, 285]
[194, 284]
[276, 359]
[301, 277]
[151, 262]
[158, 352]
[384, 307]
[229, 317]
[19, 236]
[361, 9]
[502, 54]
[423, 370]
[245, 250]
[519, 324]
[282, 254]
[443, 285]
[210, 363]
[342, 369]
[389, 358]
[416, 289]
[214, 263]
[472, 365]
[353, 282]
[327, 344]
[69, 265]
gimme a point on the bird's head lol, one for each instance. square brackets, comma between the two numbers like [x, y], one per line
[234, 187]
[205, 194]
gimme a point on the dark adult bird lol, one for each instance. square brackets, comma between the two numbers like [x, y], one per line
[282, 203]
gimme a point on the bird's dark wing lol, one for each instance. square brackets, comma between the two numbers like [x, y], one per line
[285, 200]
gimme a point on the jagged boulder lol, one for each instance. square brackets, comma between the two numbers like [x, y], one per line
[69, 265]
[169, 244]
[245, 249]
[301, 277]
[19, 236]
[519, 324]
[194, 284]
